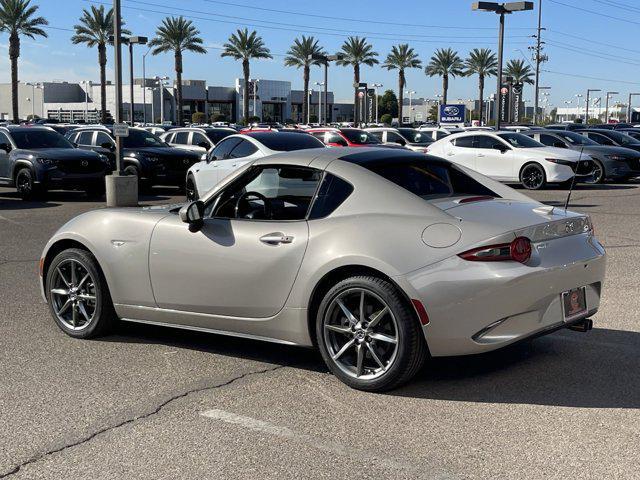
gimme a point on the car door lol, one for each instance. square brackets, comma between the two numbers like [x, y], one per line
[207, 173]
[494, 163]
[105, 145]
[462, 150]
[236, 267]
[200, 143]
[242, 153]
[393, 137]
[84, 140]
[5, 167]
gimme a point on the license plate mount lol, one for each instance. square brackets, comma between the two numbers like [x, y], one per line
[574, 303]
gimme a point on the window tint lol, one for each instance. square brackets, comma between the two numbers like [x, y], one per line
[140, 139]
[85, 138]
[548, 140]
[181, 138]
[575, 138]
[440, 134]
[333, 137]
[519, 140]
[216, 135]
[378, 135]
[169, 137]
[464, 142]
[199, 138]
[35, 139]
[4, 139]
[103, 138]
[333, 191]
[223, 149]
[393, 137]
[360, 137]
[485, 142]
[288, 192]
[320, 136]
[243, 149]
[287, 142]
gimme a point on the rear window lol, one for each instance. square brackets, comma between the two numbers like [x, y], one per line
[359, 136]
[428, 180]
[287, 142]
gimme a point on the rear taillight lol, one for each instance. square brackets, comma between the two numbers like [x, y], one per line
[519, 251]
[479, 198]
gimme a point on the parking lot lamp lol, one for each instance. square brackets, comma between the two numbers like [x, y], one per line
[586, 111]
[629, 106]
[501, 9]
[160, 81]
[409, 93]
[606, 108]
[325, 59]
[375, 88]
[35, 86]
[133, 41]
[320, 84]
[144, 90]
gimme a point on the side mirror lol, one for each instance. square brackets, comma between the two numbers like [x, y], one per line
[559, 145]
[500, 147]
[6, 147]
[192, 213]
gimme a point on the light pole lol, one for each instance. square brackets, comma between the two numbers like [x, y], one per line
[324, 60]
[586, 112]
[309, 106]
[320, 84]
[86, 84]
[410, 93]
[501, 9]
[255, 82]
[160, 81]
[33, 86]
[606, 109]
[144, 90]
[131, 41]
[629, 116]
[375, 88]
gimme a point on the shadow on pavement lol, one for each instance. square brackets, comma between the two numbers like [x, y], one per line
[599, 369]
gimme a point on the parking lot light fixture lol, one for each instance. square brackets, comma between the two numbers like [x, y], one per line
[320, 84]
[375, 88]
[501, 9]
[606, 108]
[131, 41]
[324, 60]
[586, 112]
[629, 116]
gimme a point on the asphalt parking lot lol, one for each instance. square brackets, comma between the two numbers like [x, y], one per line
[150, 402]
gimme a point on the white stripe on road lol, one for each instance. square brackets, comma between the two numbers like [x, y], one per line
[321, 444]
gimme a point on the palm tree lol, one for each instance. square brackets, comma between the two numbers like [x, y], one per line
[94, 30]
[298, 56]
[445, 63]
[481, 62]
[17, 17]
[244, 46]
[401, 57]
[520, 72]
[177, 35]
[355, 51]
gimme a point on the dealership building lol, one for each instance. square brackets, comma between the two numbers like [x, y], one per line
[270, 100]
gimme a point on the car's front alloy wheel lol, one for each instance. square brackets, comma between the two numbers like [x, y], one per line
[533, 177]
[78, 296]
[368, 335]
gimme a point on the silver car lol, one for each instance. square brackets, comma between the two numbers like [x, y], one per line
[377, 257]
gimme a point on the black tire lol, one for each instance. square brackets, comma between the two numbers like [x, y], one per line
[26, 186]
[103, 316]
[599, 175]
[533, 177]
[190, 189]
[143, 185]
[411, 349]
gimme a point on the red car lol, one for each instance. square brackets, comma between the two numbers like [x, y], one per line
[345, 137]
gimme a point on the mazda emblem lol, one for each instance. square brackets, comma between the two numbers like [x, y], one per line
[185, 161]
[84, 163]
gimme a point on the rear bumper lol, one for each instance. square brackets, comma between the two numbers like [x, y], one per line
[476, 307]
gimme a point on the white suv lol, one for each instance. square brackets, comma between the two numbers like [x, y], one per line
[197, 139]
[237, 150]
[512, 157]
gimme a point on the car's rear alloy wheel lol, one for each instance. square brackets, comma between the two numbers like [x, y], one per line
[191, 191]
[78, 296]
[368, 336]
[533, 177]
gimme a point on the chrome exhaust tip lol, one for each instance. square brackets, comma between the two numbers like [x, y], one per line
[582, 326]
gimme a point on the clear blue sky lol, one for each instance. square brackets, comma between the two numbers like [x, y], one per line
[425, 25]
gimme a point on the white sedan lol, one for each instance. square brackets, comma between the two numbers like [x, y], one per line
[235, 151]
[513, 157]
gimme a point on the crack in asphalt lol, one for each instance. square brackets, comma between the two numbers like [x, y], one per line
[128, 421]
[3, 262]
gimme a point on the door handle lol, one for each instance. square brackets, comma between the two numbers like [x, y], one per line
[276, 238]
[481, 154]
[450, 154]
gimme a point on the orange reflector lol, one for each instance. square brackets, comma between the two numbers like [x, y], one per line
[41, 266]
[422, 313]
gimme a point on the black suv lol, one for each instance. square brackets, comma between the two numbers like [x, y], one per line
[152, 160]
[34, 159]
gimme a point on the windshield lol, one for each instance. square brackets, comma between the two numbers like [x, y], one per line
[575, 138]
[286, 141]
[414, 136]
[359, 136]
[35, 139]
[141, 138]
[622, 139]
[518, 140]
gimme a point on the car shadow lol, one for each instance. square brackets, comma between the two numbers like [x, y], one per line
[12, 201]
[558, 203]
[599, 369]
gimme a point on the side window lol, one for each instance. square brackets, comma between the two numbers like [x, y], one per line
[84, 138]
[440, 134]
[463, 142]
[169, 138]
[223, 149]
[243, 149]
[548, 140]
[283, 193]
[395, 138]
[181, 138]
[485, 141]
[200, 140]
[4, 139]
[102, 139]
[333, 137]
[319, 135]
[333, 191]
[378, 135]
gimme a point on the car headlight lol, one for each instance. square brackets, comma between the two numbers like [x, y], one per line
[617, 158]
[559, 161]
[104, 158]
[46, 161]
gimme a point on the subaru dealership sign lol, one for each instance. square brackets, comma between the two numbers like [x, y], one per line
[452, 113]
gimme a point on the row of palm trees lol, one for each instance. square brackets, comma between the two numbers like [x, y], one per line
[178, 35]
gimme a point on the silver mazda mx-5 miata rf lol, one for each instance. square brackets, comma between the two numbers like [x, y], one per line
[378, 257]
